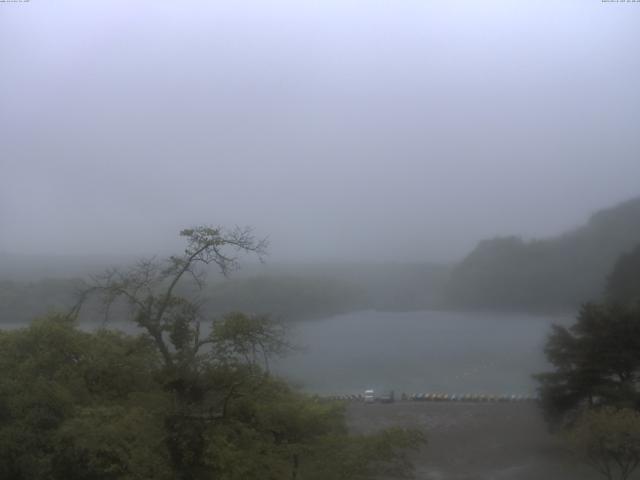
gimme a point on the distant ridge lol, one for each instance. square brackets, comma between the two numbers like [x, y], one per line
[555, 273]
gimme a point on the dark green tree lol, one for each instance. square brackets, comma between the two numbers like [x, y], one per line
[75, 405]
[596, 362]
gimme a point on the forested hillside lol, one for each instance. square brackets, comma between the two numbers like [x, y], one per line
[290, 292]
[554, 273]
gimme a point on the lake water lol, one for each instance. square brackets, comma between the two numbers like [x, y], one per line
[414, 352]
[428, 351]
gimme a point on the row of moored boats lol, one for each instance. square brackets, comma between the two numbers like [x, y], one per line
[444, 397]
[470, 397]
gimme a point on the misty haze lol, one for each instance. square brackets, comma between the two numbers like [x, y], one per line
[319, 241]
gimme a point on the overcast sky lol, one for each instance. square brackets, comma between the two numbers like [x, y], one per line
[363, 130]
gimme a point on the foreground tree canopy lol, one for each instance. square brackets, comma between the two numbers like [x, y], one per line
[593, 395]
[187, 398]
[597, 362]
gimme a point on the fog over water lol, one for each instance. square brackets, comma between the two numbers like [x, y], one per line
[419, 352]
[343, 130]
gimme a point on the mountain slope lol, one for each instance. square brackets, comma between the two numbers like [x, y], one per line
[554, 273]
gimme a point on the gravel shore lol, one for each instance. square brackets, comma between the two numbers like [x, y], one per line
[476, 441]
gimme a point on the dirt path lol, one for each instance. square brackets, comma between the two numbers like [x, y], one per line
[476, 441]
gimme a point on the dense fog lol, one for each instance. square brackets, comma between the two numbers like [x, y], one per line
[361, 131]
[333, 240]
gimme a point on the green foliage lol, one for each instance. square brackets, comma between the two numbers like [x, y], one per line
[102, 406]
[111, 442]
[54, 376]
[293, 436]
[267, 433]
[608, 439]
[597, 362]
[253, 338]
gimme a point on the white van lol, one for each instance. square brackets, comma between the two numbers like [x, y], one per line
[369, 396]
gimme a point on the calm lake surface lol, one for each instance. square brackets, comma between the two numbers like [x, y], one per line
[427, 351]
[414, 352]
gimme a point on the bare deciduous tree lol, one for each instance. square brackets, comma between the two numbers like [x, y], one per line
[149, 288]
[204, 373]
